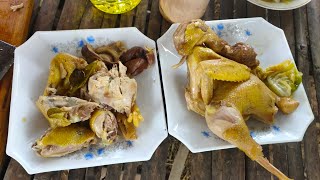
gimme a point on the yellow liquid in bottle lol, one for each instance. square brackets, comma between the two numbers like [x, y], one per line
[115, 6]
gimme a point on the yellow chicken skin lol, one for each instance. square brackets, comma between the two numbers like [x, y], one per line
[61, 68]
[196, 33]
[64, 140]
[251, 97]
[217, 69]
[223, 89]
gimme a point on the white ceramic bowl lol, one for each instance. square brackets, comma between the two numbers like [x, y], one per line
[294, 4]
[31, 68]
[272, 48]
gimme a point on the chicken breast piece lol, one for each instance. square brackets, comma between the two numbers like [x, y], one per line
[113, 88]
[61, 111]
[104, 124]
[64, 140]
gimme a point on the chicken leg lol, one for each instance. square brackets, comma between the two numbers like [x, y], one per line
[228, 123]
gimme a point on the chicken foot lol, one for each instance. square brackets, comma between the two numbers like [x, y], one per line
[228, 124]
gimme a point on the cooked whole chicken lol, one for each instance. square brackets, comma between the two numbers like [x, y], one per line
[61, 111]
[64, 140]
[225, 91]
[113, 88]
[104, 124]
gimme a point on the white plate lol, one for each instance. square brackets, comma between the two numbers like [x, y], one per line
[294, 4]
[271, 45]
[31, 68]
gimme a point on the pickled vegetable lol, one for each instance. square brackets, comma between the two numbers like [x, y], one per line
[283, 79]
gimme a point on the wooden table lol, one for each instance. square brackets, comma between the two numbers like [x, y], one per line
[172, 159]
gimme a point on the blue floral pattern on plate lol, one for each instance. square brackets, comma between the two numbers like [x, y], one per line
[74, 46]
[100, 150]
[229, 31]
[206, 134]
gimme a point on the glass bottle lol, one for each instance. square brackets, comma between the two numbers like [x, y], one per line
[115, 6]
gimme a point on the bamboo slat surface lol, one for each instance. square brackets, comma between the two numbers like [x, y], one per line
[298, 160]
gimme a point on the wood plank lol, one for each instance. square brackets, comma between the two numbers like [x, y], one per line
[201, 166]
[93, 173]
[78, 174]
[16, 172]
[254, 170]
[92, 17]
[209, 14]
[274, 17]
[5, 94]
[255, 11]
[295, 163]
[130, 171]
[228, 164]
[313, 10]
[311, 148]
[217, 165]
[240, 8]
[156, 166]
[126, 19]
[114, 171]
[217, 9]
[154, 26]
[287, 24]
[35, 11]
[179, 162]
[71, 14]
[46, 15]
[226, 9]
[109, 20]
[14, 26]
[141, 16]
[280, 157]
[56, 175]
[165, 25]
